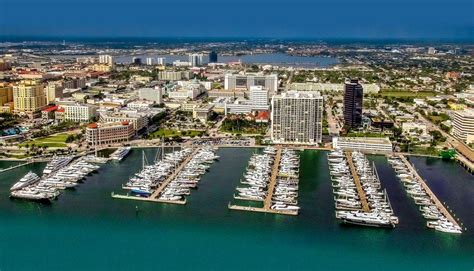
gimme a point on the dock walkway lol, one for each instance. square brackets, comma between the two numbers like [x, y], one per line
[16, 166]
[360, 190]
[430, 193]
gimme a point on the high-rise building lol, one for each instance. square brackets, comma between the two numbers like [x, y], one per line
[136, 61]
[431, 51]
[196, 60]
[29, 98]
[258, 95]
[149, 61]
[245, 81]
[463, 125]
[106, 59]
[53, 90]
[161, 61]
[150, 94]
[297, 117]
[212, 57]
[353, 96]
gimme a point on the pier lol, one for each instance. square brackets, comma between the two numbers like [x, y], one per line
[156, 194]
[16, 166]
[267, 202]
[430, 193]
[360, 190]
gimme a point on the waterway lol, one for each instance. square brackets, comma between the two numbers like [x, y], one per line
[85, 229]
[279, 59]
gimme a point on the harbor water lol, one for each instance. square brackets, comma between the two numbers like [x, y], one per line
[85, 229]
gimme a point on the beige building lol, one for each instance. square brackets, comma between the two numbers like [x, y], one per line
[53, 90]
[297, 117]
[137, 121]
[463, 125]
[6, 94]
[28, 98]
[202, 113]
[108, 133]
[79, 112]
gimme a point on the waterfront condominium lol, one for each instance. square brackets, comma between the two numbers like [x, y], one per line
[28, 98]
[353, 95]
[245, 81]
[108, 133]
[297, 117]
[463, 125]
[196, 60]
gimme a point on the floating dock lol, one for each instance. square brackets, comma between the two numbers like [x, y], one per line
[360, 190]
[129, 197]
[267, 203]
[15, 166]
[430, 193]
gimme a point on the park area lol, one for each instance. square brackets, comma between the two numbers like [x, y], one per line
[407, 94]
[52, 141]
[168, 133]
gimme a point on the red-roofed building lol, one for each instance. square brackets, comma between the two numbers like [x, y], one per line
[49, 112]
[109, 133]
[262, 117]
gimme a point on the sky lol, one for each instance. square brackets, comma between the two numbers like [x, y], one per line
[312, 19]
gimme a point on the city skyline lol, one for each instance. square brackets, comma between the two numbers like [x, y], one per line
[302, 19]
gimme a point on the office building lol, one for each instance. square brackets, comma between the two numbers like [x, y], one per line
[161, 61]
[258, 95]
[297, 117]
[245, 81]
[106, 59]
[28, 98]
[212, 57]
[353, 96]
[137, 121]
[150, 94]
[196, 60]
[149, 61]
[463, 125]
[108, 133]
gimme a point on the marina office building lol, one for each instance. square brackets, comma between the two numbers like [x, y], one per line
[297, 117]
[245, 81]
[363, 144]
[463, 125]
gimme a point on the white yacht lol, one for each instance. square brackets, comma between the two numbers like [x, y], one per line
[28, 179]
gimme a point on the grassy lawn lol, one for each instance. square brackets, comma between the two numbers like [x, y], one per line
[170, 133]
[405, 93]
[55, 141]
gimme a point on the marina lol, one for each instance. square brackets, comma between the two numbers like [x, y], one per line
[59, 174]
[271, 178]
[90, 215]
[437, 216]
[120, 153]
[170, 178]
[357, 191]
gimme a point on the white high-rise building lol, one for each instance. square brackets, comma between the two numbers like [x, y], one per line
[463, 125]
[106, 59]
[196, 60]
[258, 95]
[297, 117]
[149, 61]
[245, 81]
[161, 61]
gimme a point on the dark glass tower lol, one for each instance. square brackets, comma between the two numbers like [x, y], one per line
[353, 95]
[212, 57]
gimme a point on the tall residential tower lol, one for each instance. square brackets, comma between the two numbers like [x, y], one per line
[353, 95]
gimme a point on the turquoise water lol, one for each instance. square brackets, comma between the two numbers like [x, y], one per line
[87, 229]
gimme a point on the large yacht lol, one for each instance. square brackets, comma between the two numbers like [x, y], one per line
[28, 179]
[120, 153]
[57, 163]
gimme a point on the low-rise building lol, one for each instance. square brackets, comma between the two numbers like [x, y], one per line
[108, 133]
[202, 113]
[363, 144]
[79, 112]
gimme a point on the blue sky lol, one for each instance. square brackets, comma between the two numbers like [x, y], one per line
[377, 19]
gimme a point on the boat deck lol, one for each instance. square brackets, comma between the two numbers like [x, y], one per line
[430, 193]
[360, 190]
